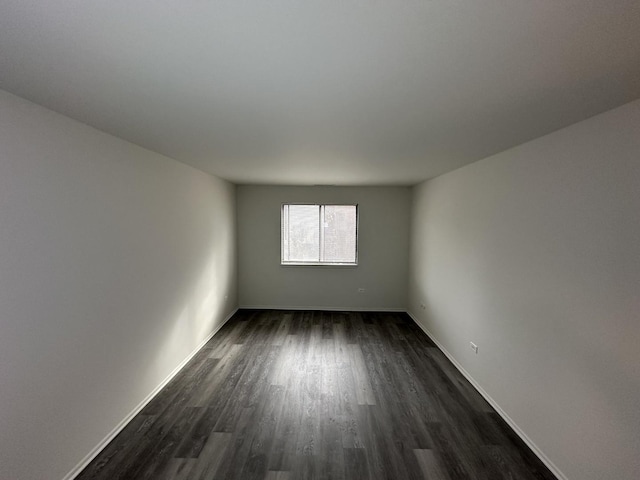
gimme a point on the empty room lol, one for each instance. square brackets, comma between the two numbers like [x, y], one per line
[352, 240]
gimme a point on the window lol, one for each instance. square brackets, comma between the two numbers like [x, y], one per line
[319, 234]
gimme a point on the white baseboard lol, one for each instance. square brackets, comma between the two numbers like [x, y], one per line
[105, 441]
[534, 448]
[327, 309]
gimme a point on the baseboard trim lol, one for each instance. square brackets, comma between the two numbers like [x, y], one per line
[105, 441]
[514, 426]
[327, 309]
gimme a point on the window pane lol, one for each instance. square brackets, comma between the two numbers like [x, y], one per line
[339, 233]
[301, 239]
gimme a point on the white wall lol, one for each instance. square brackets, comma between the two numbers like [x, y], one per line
[534, 254]
[383, 242]
[115, 264]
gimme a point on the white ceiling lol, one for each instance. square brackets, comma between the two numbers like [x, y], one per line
[359, 92]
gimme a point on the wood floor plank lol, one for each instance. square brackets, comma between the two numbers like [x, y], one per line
[264, 430]
[350, 427]
[239, 446]
[230, 339]
[283, 329]
[340, 343]
[273, 475]
[206, 465]
[355, 464]
[218, 374]
[364, 392]
[430, 465]
[229, 417]
[284, 442]
[281, 395]
[177, 469]
[167, 448]
[283, 367]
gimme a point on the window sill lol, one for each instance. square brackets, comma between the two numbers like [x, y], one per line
[315, 264]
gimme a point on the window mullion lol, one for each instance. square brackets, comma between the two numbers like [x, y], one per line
[288, 233]
[321, 242]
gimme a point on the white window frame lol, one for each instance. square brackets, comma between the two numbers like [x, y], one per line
[321, 242]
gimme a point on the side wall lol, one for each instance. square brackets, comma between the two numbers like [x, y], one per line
[115, 264]
[383, 243]
[534, 255]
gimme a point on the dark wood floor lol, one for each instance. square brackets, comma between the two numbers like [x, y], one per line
[317, 395]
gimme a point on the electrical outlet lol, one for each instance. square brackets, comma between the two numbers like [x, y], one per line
[474, 347]
[423, 306]
[361, 290]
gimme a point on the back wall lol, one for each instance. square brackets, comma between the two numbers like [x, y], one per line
[383, 243]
